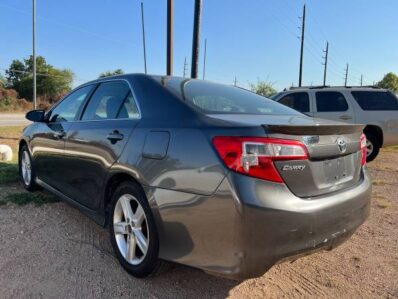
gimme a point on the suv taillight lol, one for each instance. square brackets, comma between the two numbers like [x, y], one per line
[362, 147]
[255, 156]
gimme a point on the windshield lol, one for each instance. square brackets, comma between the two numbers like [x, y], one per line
[213, 98]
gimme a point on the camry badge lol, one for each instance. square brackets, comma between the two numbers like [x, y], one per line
[341, 144]
[293, 167]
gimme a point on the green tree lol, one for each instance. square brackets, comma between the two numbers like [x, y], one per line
[51, 82]
[390, 81]
[111, 73]
[263, 88]
[15, 72]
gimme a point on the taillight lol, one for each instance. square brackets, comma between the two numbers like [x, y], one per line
[362, 147]
[255, 156]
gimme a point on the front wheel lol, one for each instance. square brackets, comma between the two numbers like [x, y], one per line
[133, 231]
[26, 171]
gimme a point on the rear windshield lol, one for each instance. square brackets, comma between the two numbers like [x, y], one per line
[213, 98]
[376, 100]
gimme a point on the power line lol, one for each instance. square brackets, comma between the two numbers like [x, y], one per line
[337, 53]
[272, 13]
[65, 25]
[41, 74]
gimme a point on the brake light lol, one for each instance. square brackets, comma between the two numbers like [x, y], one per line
[255, 156]
[362, 147]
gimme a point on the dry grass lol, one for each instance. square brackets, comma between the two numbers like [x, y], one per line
[9, 170]
[10, 136]
[391, 149]
[381, 201]
[385, 167]
[379, 182]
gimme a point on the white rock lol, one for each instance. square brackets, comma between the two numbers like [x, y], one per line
[5, 153]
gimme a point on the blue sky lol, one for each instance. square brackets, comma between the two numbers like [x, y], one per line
[247, 39]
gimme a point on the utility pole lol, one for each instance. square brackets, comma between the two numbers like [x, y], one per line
[195, 39]
[235, 82]
[170, 21]
[325, 63]
[346, 76]
[361, 79]
[185, 67]
[204, 60]
[34, 55]
[302, 47]
[143, 35]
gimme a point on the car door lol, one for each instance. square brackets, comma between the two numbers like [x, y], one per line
[333, 105]
[299, 101]
[96, 141]
[48, 143]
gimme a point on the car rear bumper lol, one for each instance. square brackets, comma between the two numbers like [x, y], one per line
[248, 225]
[276, 225]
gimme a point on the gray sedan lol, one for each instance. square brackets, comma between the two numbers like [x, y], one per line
[198, 173]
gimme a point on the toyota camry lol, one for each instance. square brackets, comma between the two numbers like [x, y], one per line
[198, 173]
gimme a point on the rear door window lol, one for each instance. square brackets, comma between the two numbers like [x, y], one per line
[129, 108]
[330, 101]
[298, 101]
[107, 100]
[376, 100]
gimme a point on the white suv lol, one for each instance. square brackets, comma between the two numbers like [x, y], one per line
[377, 108]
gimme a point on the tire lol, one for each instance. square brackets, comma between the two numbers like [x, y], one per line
[134, 231]
[373, 147]
[26, 170]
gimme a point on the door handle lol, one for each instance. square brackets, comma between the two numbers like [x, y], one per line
[59, 134]
[345, 117]
[115, 136]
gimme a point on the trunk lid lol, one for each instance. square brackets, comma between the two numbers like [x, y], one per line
[334, 157]
[334, 161]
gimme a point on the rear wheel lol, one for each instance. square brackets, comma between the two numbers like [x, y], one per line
[133, 231]
[372, 147]
[26, 170]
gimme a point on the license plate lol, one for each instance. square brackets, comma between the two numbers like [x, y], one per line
[335, 170]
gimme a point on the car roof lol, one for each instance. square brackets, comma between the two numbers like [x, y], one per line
[328, 88]
[363, 88]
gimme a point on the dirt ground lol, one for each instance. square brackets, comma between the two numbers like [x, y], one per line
[55, 251]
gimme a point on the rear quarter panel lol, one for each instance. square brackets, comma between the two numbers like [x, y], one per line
[190, 164]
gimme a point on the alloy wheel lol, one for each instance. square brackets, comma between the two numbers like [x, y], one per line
[369, 148]
[130, 227]
[26, 168]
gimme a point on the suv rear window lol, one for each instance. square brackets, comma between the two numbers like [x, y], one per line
[330, 101]
[376, 100]
[298, 101]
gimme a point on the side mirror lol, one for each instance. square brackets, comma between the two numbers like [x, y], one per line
[35, 115]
